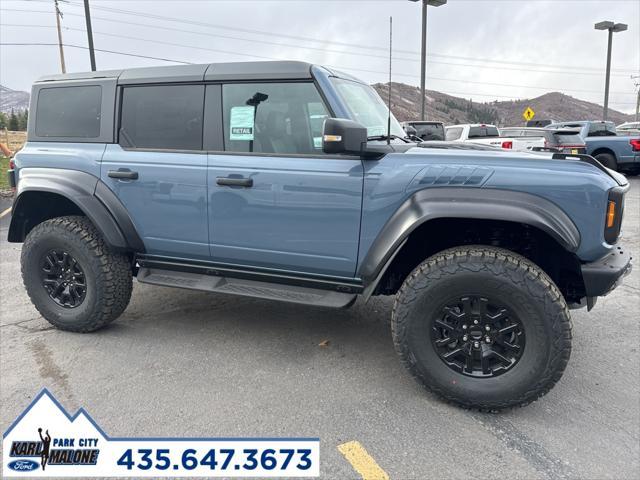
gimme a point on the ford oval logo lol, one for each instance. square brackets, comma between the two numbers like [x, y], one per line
[23, 465]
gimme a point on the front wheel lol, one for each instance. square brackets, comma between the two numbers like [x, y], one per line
[482, 327]
[608, 160]
[73, 278]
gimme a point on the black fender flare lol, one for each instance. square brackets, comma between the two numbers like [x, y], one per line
[465, 202]
[85, 191]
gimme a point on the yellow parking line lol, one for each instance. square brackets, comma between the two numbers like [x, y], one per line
[362, 462]
[6, 212]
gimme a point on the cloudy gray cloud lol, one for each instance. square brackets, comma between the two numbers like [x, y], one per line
[480, 49]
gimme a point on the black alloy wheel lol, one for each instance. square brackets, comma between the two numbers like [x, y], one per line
[63, 278]
[477, 336]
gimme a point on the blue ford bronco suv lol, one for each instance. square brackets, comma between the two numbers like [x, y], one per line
[290, 181]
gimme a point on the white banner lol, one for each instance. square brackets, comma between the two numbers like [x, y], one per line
[45, 441]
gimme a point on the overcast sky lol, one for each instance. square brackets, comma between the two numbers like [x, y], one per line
[480, 49]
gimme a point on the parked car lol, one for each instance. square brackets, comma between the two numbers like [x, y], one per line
[426, 130]
[210, 177]
[618, 152]
[482, 133]
[628, 128]
[540, 139]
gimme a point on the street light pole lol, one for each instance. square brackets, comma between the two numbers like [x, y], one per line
[423, 51]
[423, 59]
[636, 83]
[611, 28]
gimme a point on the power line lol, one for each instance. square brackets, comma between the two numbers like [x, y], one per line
[310, 39]
[337, 67]
[465, 94]
[97, 50]
[341, 52]
[334, 51]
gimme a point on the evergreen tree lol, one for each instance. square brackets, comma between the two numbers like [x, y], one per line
[4, 121]
[13, 121]
[23, 120]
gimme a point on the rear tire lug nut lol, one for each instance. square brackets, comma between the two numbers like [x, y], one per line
[487, 339]
[465, 338]
[475, 322]
[487, 328]
[476, 344]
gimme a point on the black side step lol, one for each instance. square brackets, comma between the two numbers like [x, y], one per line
[245, 287]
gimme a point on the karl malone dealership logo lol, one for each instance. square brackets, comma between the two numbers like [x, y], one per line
[45, 437]
[62, 453]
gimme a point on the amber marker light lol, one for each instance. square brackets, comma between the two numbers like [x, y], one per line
[611, 214]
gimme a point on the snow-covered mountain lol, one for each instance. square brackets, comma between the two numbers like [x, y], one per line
[13, 99]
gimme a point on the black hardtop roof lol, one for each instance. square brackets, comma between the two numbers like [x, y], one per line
[276, 70]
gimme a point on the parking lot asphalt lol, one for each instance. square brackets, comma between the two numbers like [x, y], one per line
[185, 363]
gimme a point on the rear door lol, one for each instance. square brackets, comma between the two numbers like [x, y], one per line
[158, 169]
[276, 201]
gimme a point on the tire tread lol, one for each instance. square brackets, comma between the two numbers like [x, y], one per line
[113, 276]
[497, 261]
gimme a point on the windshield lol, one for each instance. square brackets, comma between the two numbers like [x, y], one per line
[366, 107]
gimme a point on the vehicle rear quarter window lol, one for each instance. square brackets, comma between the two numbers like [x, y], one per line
[166, 117]
[453, 133]
[483, 132]
[285, 118]
[72, 112]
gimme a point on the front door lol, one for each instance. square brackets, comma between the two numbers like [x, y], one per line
[159, 171]
[275, 200]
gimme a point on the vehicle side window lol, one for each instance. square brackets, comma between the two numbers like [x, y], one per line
[453, 133]
[69, 112]
[282, 118]
[162, 117]
[600, 129]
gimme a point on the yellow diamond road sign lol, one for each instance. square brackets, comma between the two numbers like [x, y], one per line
[528, 114]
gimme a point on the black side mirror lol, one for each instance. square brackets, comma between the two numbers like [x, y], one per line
[340, 135]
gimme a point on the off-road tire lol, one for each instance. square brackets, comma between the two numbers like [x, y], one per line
[523, 286]
[607, 160]
[108, 274]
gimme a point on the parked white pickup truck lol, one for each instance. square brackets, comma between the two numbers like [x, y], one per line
[544, 139]
[490, 135]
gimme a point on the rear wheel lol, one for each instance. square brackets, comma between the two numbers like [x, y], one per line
[72, 277]
[608, 160]
[482, 327]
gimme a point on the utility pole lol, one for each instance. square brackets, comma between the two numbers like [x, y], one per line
[611, 28]
[423, 50]
[87, 17]
[58, 17]
[636, 82]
